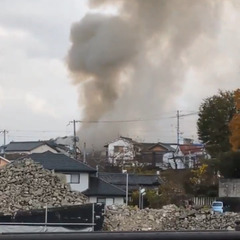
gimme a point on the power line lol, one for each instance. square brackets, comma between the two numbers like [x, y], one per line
[40, 131]
[134, 120]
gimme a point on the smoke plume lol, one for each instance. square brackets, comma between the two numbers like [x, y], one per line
[133, 64]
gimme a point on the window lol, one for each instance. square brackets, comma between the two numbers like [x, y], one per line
[101, 200]
[118, 149]
[75, 178]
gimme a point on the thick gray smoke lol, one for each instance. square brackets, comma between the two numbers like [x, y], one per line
[133, 64]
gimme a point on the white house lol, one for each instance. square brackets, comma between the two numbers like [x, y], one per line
[125, 151]
[120, 151]
[185, 156]
[81, 177]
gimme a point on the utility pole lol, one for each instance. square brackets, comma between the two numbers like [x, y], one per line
[4, 140]
[84, 153]
[74, 138]
[178, 128]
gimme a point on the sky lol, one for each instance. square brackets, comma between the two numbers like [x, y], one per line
[38, 96]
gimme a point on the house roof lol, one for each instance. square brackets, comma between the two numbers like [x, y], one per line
[24, 146]
[99, 187]
[60, 162]
[122, 138]
[133, 179]
[145, 147]
[191, 148]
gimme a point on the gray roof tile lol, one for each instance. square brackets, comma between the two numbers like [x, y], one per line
[99, 187]
[133, 179]
[60, 162]
[24, 146]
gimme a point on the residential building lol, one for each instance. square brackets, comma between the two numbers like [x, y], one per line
[120, 151]
[151, 154]
[185, 156]
[80, 176]
[134, 181]
[101, 191]
[125, 151]
[14, 150]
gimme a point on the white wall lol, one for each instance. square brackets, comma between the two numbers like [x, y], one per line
[168, 162]
[43, 148]
[119, 201]
[82, 185]
[116, 200]
[92, 199]
[127, 154]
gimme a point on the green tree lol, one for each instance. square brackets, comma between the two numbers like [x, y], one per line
[214, 116]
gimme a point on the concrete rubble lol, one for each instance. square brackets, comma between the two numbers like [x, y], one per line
[169, 218]
[26, 185]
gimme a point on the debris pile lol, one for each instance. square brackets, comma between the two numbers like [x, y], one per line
[169, 218]
[26, 185]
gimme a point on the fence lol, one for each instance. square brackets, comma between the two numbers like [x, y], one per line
[203, 201]
[87, 217]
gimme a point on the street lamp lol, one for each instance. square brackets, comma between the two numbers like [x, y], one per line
[125, 171]
[142, 192]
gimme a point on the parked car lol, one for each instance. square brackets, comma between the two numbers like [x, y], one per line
[217, 206]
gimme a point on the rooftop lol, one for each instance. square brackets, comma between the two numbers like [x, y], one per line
[24, 146]
[99, 187]
[60, 162]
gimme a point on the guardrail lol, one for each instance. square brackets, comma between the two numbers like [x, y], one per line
[186, 235]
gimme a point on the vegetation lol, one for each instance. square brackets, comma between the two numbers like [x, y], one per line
[234, 124]
[215, 114]
[203, 181]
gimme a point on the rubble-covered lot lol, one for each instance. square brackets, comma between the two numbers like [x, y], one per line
[26, 185]
[169, 218]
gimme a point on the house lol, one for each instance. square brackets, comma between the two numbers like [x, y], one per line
[103, 192]
[120, 151]
[14, 150]
[152, 153]
[80, 176]
[134, 181]
[125, 151]
[76, 172]
[186, 156]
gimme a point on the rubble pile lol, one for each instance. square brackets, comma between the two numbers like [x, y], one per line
[169, 218]
[26, 185]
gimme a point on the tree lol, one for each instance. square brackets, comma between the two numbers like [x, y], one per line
[214, 115]
[234, 124]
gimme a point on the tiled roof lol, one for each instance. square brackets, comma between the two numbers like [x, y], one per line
[24, 146]
[191, 148]
[99, 187]
[60, 162]
[148, 146]
[133, 179]
[130, 140]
